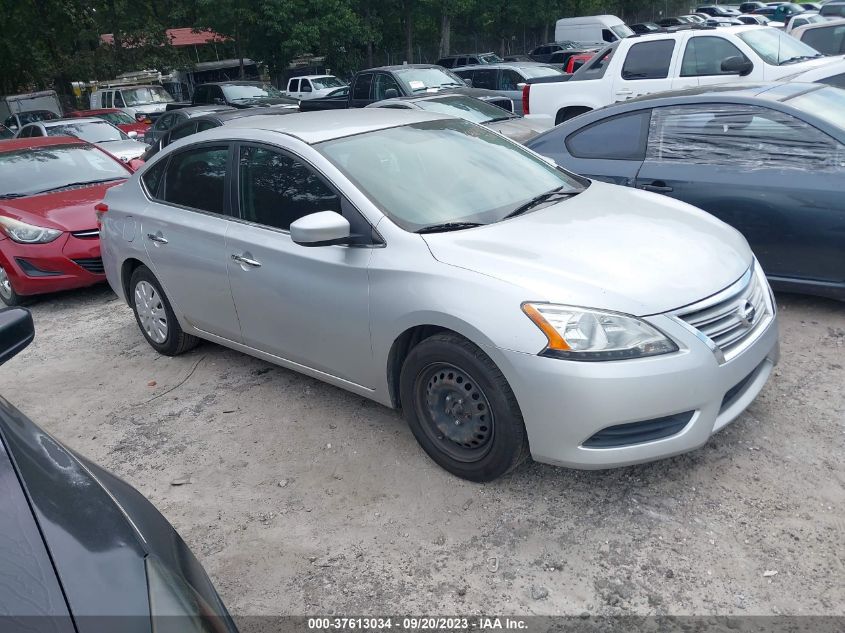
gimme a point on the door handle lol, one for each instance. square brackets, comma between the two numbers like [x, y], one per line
[624, 92]
[246, 261]
[658, 186]
[158, 238]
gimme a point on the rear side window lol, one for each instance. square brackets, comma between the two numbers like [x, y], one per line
[484, 79]
[362, 87]
[837, 81]
[183, 130]
[648, 60]
[704, 56]
[202, 95]
[294, 85]
[202, 126]
[829, 40]
[621, 137]
[153, 176]
[276, 189]
[196, 178]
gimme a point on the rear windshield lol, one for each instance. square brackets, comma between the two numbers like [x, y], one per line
[539, 71]
[467, 108]
[833, 10]
[31, 170]
[827, 104]
[91, 131]
[145, 95]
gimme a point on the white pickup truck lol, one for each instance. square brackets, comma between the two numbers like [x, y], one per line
[642, 64]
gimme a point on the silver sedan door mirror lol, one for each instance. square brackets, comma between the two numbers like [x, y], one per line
[324, 228]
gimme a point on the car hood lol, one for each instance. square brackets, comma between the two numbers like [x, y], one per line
[608, 247]
[519, 130]
[124, 150]
[69, 210]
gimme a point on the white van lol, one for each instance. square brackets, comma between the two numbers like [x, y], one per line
[149, 100]
[593, 28]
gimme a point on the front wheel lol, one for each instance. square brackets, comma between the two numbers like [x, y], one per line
[461, 409]
[7, 293]
[155, 317]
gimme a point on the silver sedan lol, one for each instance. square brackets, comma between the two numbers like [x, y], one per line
[503, 304]
[93, 130]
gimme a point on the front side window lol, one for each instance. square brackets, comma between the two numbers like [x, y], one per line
[740, 136]
[362, 87]
[383, 83]
[704, 56]
[776, 47]
[648, 60]
[305, 86]
[276, 189]
[618, 138]
[118, 101]
[196, 178]
[202, 94]
[444, 171]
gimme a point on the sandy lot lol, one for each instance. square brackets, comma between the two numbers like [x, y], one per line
[306, 499]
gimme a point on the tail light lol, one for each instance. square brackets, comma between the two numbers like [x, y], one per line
[100, 210]
[526, 91]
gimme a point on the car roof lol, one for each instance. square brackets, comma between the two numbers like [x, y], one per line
[315, 127]
[504, 65]
[402, 67]
[15, 144]
[771, 91]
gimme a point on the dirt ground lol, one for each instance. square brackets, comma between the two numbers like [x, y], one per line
[304, 499]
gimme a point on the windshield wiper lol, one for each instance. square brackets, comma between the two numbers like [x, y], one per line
[9, 196]
[500, 118]
[543, 197]
[798, 58]
[448, 226]
[78, 184]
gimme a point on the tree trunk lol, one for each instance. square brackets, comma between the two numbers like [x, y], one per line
[445, 33]
[238, 49]
[409, 31]
[368, 22]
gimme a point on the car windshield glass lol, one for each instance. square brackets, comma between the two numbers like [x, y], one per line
[621, 30]
[776, 47]
[145, 95]
[489, 58]
[445, 171]
[467, 108]
[826, 103]
[539, 71]
[320, 83]
[116, 118]
[30, 170]
[251, 92]
[419, 79]
[93, 131]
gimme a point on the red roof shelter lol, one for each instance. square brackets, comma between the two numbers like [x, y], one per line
[180, 37]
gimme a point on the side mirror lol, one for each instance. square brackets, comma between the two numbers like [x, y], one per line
[738, 65]
[391, 93]
[521, 85]
[324, 228]
[16, 332]
[468, 82]
[133, 134]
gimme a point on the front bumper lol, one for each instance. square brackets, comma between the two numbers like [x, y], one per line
[565, 403]
[66, 263]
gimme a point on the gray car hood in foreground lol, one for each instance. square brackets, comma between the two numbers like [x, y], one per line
[609, 247]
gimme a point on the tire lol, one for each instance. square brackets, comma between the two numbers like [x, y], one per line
[155, 317]
[7, 292]
[461, 409]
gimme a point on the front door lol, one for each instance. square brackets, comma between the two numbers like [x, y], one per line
[184, 230]
[771, 176]
[308, 305]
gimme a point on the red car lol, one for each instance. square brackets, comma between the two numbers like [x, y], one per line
[49, 238]
[117, 118]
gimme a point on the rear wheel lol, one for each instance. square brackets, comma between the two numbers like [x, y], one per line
[7, 293]
[155, 317]
[461, 409]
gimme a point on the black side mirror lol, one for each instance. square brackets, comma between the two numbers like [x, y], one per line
[391, 93]
[468, 82]
[16, 332]
[738, 65]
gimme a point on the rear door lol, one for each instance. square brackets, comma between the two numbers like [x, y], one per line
[645, 69]
[776, 179]
[184, 228]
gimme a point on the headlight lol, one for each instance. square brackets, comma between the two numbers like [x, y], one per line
[582, 334]
[27, 233]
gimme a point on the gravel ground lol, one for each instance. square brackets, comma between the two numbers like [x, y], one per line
[305, 499]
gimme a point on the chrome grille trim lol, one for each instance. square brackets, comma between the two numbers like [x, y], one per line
[721, 320]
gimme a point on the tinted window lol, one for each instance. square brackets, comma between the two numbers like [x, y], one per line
[202, 126]
[510, 79]
[621, 138]
[484, 79]
[276, 189]
[118, 100]
[385, 82]
[829, 40]
[835, 80]
[648, 60]
[833, 11]
[305, 86]
[595, 69]
[182, 131]
[607, 35]
[196, 178]
[704, 56]
[202, 95]
[165, 122]
[362, 87]
[152, 177]
[294, 85]
[740, 136]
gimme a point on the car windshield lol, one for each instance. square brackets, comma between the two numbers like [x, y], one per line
[116, 118]
[91, 131]
[826, 103]
[321, 83]
[622, 30]
[489, 58]
[251, 92]
[28, 171]
[145, 95]
[467, 108]
[776, 47]
[445, 171]
[419, 79]
[539, 71]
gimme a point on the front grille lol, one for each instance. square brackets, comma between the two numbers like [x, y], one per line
[639, 432]
[90, 233]
[92, 265]
[732, 318]
[31, 270]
